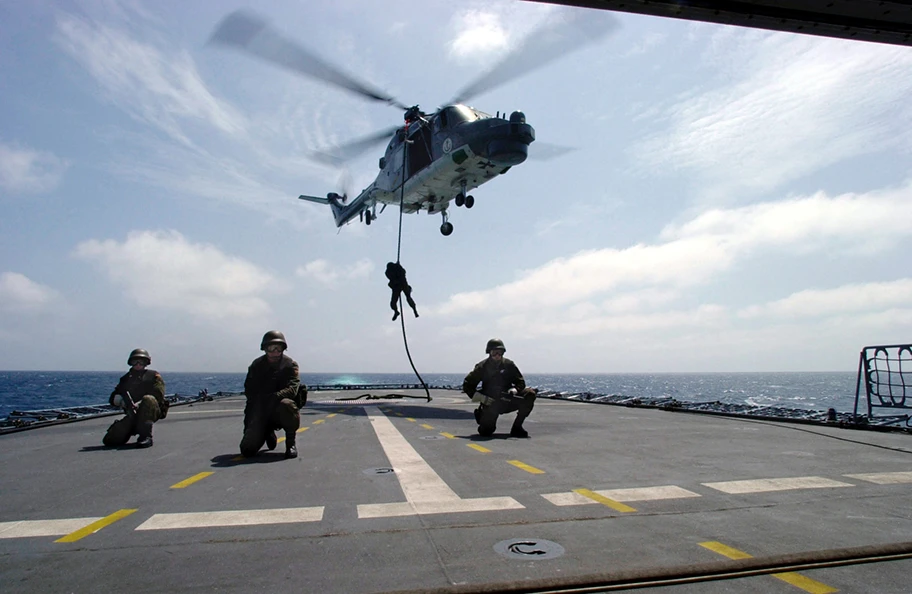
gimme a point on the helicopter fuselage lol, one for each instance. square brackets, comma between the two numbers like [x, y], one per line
[432, 162]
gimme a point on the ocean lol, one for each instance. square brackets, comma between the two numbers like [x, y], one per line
[34, 390]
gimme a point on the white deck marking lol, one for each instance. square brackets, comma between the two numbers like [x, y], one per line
[884, 478]
[782, 484]
[636, 494]
[29, 528]
[250, 517]
[425, 492]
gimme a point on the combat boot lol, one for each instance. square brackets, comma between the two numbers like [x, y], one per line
[517, 431]
[291, 451]
[144, 439]
[271, 441]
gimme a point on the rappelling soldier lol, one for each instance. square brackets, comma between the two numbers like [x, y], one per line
[503, 390]
[141, 394]
[399, 285]
[274, 392]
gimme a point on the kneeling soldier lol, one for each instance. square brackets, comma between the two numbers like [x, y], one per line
[272, 388]
[503, 390]
[141, 393]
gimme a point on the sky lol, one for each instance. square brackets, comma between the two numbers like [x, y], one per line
[736, 200]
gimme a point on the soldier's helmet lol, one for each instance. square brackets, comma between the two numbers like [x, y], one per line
[495, 343]
[138, 355]
[273, 337]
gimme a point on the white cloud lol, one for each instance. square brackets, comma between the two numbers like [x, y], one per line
[694, 253]
[162, 270]
[331, 275]
[479, 31]
[796, 104]
[20, 294]
[24, 170]
[849, 299]
[160, 90]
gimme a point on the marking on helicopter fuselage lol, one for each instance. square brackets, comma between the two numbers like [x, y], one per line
[425, 492]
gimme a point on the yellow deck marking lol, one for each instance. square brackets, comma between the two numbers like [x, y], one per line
[615, 505]
[448, 435]
[318, 421]
[426, 426]
[526, 467]
[724, 550]
[237, 458]
[411, 419]
[95, 526]
[789, 577]
[329, 416]
[482, 449]
[191, 480]
[302, 429]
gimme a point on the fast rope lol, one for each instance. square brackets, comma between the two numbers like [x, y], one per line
[398, 253]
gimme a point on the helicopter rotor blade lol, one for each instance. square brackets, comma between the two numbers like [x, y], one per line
[247, 32]
[342, 153]
[568, 30]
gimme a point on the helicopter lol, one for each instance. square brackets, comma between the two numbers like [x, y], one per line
[433, 159]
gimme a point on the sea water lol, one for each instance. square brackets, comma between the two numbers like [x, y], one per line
[35, 390]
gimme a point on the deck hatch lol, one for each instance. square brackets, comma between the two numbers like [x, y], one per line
[527, 549]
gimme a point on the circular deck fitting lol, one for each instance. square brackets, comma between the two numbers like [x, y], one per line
[384, 470]
[528, 549]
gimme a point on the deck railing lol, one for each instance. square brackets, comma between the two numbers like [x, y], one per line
[886, 373]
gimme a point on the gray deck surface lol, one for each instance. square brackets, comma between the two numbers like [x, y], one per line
[452, 497]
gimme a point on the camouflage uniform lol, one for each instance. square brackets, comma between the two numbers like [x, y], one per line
[496, 378]
[273, 394]
[147, 389]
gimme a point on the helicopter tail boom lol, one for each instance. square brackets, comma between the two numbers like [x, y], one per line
[341, 213]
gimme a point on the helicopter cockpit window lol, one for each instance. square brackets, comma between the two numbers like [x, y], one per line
[458, 114]
[441, 122]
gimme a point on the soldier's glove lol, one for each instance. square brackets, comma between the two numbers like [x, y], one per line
[117, 401]
[512, 392]
[482, 399]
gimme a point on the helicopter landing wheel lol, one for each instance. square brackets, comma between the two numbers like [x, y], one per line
[460, 199]
[367, 218]
[469, 201]
[446, 228]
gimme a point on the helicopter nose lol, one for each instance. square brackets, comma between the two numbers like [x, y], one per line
[507, 152]
[511, 147]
